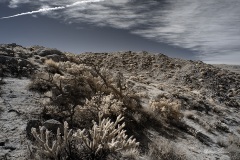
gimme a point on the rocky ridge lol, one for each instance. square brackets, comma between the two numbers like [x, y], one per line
[209, 98]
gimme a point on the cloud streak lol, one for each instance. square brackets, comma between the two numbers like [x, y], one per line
[209, 27]
[49, 9]
[33, 12]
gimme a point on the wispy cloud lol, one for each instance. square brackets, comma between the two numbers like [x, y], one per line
[42, 10]
[14, 3]
[33, 12]
[208, 27]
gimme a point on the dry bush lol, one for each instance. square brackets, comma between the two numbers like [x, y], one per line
[163, 149]
[73, 58]
[106, 104]
[68, 93]
[102, 80]
[41, 82]
[208, 126]
[52, 66]
[131, 154]
[80, 92]
[168, 109]
[231, 143]
[234, 152]
[221, 126]
[223, 141]
[79, 83]
[234, 147]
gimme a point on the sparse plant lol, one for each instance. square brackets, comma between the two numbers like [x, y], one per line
[52, 66]
[54, 149]
[167, 108]
[222, 126]
[108, 105]
[164, 149]
[105, 137]
[234, 152]
[41, 82]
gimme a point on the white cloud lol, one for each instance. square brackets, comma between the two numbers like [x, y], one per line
[34, 12]
[14, 3]
[44, 9]
[210, 27]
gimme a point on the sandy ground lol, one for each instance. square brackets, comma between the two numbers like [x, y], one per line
[18, 105]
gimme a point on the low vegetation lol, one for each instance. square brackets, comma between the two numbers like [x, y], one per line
[79, 93]
[120, 106]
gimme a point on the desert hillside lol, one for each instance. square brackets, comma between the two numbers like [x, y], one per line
[122, 105]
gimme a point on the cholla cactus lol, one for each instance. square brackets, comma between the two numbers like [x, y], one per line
[106, 135]
[167, 108]
[106, 104]
[43, 145]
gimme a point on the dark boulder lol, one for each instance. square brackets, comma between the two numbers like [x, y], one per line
[16, 66]
[47, 52]
[58, 58]
[53, 125]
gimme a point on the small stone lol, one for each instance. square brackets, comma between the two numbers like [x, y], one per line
[12, 96]
[2, 143]
[10, 147]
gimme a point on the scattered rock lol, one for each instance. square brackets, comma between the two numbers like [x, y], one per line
[10, 147]
[204, 138]
[47, 52]
[2, 143]
[57, 58]
[53, 125]
[12, 96]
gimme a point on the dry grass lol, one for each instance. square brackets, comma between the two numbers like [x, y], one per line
[163, 149]
[231, 143]
[52, 66]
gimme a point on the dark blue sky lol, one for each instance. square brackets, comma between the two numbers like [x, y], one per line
[121, 26]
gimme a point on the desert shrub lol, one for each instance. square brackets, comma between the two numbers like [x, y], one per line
[168, 109]
[69, 92]
[73, 58]
[66, 91]
[81, 91]
[106, 104]
[41, 82]
[234, 152]
[221, 126]
[233, 147]
[231, 143]
[104, 139]
[164, 150]
[101, 80]
[52, 66]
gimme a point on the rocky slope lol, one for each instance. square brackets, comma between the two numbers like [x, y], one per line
[208, 96]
